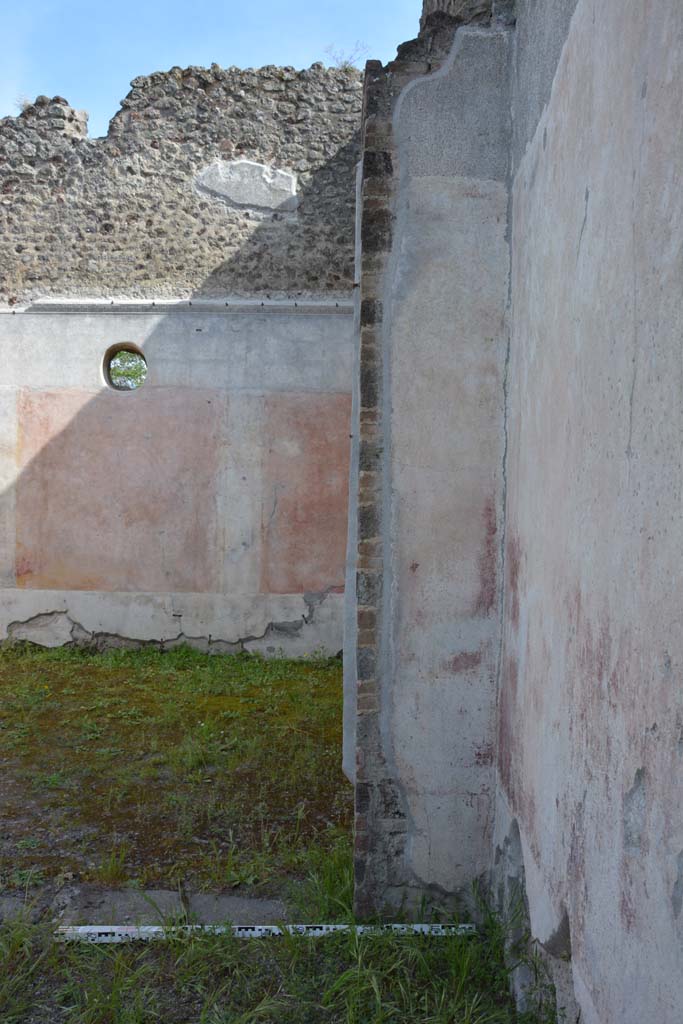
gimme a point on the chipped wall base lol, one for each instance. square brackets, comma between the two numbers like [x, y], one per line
[543, 971]
[292, 626]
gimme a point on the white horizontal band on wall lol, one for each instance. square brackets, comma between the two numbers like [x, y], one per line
[100, 933]
[166, 307]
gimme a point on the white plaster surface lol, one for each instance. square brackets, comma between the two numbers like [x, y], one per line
[53, 618]
[248, 184]
[350, 604]
[8, 471]
[591, 748]
[571, 452]
[273, 350]
[446, 499]
[445, 339]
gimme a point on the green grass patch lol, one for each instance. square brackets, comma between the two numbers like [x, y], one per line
[167, 768]
[217, 979]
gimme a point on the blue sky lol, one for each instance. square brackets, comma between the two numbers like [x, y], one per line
[88, 51]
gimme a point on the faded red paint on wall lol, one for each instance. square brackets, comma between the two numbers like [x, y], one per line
[507, 749]
[117, 491]
[465, 661]
[484, 755]
[513, 562]
[488, 579]
[305, 492]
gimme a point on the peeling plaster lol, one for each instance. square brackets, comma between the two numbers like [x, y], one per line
[635, 812]
[58, 628]
[677, 894]
[246, 184]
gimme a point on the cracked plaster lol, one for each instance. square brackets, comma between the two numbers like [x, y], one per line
[316, 629]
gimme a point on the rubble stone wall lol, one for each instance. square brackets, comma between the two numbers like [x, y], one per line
[130, 214]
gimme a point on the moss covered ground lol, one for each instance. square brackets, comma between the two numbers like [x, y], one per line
[170, 768]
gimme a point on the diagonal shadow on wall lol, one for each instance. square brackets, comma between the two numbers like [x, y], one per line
[225, 474]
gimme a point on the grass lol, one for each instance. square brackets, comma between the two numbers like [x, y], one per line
[222, 772]
[216, 979]
[160, 769]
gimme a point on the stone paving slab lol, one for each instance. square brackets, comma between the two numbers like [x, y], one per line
[12, 907]
[94, 905]
[211, 908]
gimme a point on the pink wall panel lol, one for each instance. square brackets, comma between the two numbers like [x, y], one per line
[118, 491]
[305, 492]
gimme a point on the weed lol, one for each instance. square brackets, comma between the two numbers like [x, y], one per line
[29, 843]
[51, 780]
[326, 893]
[23, 878]
[347, 60]
[90, 729]
[23, 952]
[113, 869]
[226, 868]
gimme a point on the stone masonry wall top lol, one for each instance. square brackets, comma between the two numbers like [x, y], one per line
[126, 214]
[465, 11]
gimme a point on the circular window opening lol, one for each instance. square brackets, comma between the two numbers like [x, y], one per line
[125, 368]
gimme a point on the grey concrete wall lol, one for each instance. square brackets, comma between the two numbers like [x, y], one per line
[591, 708]
[426, 794]
[446, 345]
[540, 34]
[208, 506]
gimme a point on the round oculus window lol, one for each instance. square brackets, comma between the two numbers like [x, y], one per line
[125, 368]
